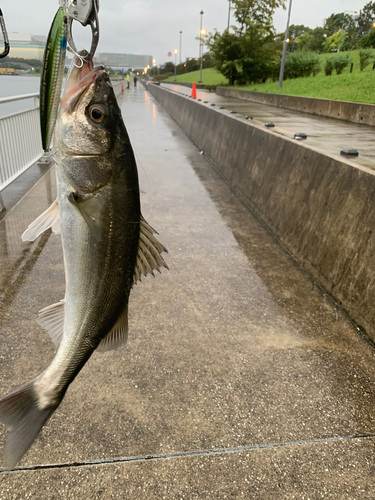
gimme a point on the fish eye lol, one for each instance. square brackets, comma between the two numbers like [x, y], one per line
[96, 113]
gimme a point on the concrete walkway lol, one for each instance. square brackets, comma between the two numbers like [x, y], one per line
[240, 379]
[325, 134]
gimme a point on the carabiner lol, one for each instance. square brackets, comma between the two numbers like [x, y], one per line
[5, 52]
[86, 13]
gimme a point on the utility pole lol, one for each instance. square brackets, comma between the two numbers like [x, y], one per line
[230, 2]
[282, 67]
[180, 44]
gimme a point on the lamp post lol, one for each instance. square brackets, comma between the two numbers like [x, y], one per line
[180, 45]
[154, 64]
[230, 3]
[202, 33]
[175, 64]
[201, 13]
[286, 40]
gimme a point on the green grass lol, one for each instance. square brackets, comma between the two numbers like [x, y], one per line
[356, 86]
[209, 76]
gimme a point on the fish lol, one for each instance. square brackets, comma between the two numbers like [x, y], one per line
[52, 76]
[107, 247]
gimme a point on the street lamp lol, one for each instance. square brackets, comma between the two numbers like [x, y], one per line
[175, 64]
[201, 13]
[286, 40]
[202, 33]
[180, 45]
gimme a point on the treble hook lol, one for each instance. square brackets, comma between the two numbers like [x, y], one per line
[5, 52]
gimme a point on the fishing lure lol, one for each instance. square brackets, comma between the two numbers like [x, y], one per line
[52, 76]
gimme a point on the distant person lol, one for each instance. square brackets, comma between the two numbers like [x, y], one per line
[128, 80]
[135, 81]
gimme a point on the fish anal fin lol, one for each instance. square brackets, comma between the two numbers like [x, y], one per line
[117, 336]
[49, 218]
[51, 318]
[149, 257]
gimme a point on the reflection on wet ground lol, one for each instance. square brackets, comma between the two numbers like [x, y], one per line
[325, 134]
[233, 347]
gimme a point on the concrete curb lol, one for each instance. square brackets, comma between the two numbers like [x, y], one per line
[321, 208]
[198, 85]
[342, 110]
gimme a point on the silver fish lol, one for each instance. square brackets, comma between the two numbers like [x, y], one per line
[107, 245]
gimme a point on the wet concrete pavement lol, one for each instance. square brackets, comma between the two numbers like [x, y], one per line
[325, 134]
[241, 379]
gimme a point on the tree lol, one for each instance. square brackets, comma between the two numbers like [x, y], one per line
[368, 41]
[243, 56]
[303, 41]
[335, 22]
[336, 41]
[295, 31]
[316, 44]
[365, 19]
[259, 11]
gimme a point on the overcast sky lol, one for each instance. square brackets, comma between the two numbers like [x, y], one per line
[153, 26]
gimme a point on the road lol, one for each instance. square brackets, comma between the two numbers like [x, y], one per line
[240, 379]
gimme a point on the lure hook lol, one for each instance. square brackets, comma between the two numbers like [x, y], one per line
[5, 52]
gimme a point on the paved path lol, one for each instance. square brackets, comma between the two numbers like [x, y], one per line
[240, 379]
[325, 134]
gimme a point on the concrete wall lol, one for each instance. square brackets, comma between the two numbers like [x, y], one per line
[321, 208]
[350, 111]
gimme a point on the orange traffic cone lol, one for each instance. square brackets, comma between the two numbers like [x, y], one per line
[194, 91]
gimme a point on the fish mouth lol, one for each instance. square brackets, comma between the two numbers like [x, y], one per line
[81, 75]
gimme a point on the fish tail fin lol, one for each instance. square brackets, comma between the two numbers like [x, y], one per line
[20, 411]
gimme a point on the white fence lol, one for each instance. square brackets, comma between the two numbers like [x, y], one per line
[20, 139]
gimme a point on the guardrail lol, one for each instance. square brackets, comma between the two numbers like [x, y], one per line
[20, 140]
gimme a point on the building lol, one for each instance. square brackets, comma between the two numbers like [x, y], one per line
[123, 60]
[26, 45]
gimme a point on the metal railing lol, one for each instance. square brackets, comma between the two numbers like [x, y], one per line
[20, 139]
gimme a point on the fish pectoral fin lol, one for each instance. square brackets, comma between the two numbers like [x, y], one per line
[117, 336]
[93, 226]
[49, 218]
[149, 257]
[51, 318]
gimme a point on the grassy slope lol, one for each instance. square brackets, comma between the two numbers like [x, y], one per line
[357, 86]
[210, 77]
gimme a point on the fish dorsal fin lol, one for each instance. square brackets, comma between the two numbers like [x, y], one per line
[51, 318]
[149, 257]
[49, 218]
[117, 336]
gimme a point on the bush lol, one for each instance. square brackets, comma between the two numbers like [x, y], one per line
[329, 66]
[301, 63]
[340, 62]
[364, 56]
[163, 77]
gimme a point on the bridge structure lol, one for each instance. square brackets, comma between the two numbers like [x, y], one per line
[242, 376]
